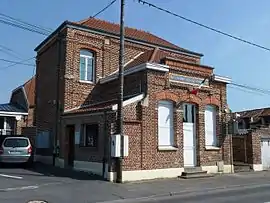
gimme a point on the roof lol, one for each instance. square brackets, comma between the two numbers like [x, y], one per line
[156, 56]
[254, 113]
[92, 108]
[11, 108]
[30, 87]
[110, 28]
[131, 33]
[104, 106]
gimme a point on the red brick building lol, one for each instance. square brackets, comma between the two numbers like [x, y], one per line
[168, 128]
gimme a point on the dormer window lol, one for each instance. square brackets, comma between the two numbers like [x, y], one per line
[87, 66]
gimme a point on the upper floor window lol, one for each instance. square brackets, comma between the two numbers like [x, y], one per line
[87, 65]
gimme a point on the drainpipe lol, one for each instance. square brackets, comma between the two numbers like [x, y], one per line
[57, 119]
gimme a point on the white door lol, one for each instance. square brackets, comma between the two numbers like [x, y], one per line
[265, 153]
[189, 131]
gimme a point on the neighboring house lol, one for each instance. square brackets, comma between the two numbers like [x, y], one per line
[168, 128]
[18, 114]
[251, 140]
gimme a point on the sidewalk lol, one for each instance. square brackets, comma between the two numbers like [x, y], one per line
[102, 191]
[169, 187]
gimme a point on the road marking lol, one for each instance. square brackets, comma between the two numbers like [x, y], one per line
[9, 176]
[31, 187]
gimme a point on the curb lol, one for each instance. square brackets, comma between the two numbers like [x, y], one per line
[185, 193]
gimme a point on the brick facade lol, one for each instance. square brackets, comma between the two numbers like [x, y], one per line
[58, 67]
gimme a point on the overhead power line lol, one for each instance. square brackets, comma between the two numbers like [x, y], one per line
[9, 51]
[40, 30]
[104, 9]
[16, 63]
[26, 23]
[14, 24]
[203, 25]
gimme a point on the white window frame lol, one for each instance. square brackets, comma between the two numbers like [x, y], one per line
[214, 135]
[171, 127]
[86, 57]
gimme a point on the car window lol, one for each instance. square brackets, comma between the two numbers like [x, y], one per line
[16, 142]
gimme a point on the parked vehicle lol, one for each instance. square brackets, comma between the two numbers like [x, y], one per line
[16, 150]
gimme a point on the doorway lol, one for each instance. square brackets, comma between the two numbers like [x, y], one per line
[70, 144]
[189, 131]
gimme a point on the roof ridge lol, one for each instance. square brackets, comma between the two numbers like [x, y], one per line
[132, 33]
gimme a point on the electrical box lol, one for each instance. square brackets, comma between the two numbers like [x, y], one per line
[116, 145]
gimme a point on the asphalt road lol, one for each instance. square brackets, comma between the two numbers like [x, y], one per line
[19, 185]
[258, 194]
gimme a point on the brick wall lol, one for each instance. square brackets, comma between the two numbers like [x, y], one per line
[106, 55]
[151, 157]
[49, 63]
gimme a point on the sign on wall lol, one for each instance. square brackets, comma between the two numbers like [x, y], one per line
[187, 79]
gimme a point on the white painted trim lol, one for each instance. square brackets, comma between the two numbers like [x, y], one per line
[135, 57]
[6, 113]
[167, 148]
[212, 148]
[93, 167]
[75, 108]
[223, 79]
[25, 96]
[214, 169]
[228, 169]
[138, 175]
[144, 66]
[86, 82]
[257, 167]
[129, 101]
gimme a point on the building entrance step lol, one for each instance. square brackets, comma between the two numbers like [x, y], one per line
[195, 172]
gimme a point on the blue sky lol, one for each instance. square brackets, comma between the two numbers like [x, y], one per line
[243, 18]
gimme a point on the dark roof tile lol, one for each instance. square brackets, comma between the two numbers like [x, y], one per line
[11, 108]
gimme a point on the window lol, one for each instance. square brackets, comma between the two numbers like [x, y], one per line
[165, 123]
[87, 66]
[2, 120]
[16, 142]
[241, 124]
[189, 113]
[210, 126]
[90, 135]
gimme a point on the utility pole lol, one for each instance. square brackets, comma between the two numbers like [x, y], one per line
[121, 94]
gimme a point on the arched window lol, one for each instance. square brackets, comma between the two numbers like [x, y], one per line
[87, 66]
[165, 123]
[210, 126]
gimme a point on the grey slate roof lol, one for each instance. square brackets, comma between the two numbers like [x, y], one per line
[11, 108]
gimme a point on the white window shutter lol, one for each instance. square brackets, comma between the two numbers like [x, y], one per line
[210, 126]
[165, 123]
